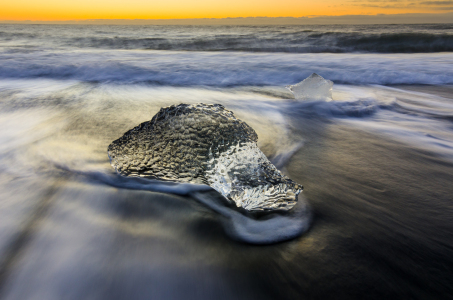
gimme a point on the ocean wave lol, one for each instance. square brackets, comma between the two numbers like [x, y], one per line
[178, 68]
[396, 43]
[290, 39]
[268, 229]
[302, 42]
[358, 109]
[273, 228]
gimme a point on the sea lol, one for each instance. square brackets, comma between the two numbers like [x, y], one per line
[376, 163]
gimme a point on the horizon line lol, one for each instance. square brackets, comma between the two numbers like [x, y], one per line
[407, 18]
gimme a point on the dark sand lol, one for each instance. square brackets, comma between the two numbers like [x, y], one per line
[381, 228]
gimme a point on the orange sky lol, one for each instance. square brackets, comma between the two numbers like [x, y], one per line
[177, 9]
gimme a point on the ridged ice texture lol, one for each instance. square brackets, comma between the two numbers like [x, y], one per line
[204, 144]
[314, 87]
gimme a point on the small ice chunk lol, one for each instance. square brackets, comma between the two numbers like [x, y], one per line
[314, 87]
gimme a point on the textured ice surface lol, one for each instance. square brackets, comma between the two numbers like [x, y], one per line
[314, 87]
[204, 144]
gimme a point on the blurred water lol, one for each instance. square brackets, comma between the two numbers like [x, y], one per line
[376, 164]
[411, 38]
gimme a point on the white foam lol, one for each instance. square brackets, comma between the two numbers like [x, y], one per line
[136, 183]
[226, 68]
[275, 228]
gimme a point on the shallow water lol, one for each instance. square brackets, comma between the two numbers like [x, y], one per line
[376, 164]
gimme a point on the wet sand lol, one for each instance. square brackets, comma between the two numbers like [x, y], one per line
[381, 228]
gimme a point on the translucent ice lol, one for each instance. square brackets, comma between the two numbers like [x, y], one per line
[314, 87]
[205, 144]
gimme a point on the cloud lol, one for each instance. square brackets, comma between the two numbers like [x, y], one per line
[444, 5]
[385, 6]
[380, 1]
[392, 4]
[443, 8]
[436, 3]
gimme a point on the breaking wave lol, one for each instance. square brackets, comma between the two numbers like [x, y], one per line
[271, 228]
[292, 39]
[303, 42]
[226, 68]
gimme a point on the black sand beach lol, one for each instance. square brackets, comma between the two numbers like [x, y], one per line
[376, 164]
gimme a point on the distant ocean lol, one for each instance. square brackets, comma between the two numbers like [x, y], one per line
[376, 162]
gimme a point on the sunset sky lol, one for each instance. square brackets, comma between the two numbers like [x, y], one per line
[48, 10]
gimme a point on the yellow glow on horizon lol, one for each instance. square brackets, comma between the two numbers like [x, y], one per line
[53, 10]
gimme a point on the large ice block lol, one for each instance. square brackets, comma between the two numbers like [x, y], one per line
[205, 144]
[314, 87]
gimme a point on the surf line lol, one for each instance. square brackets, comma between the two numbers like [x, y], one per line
[274, 227]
